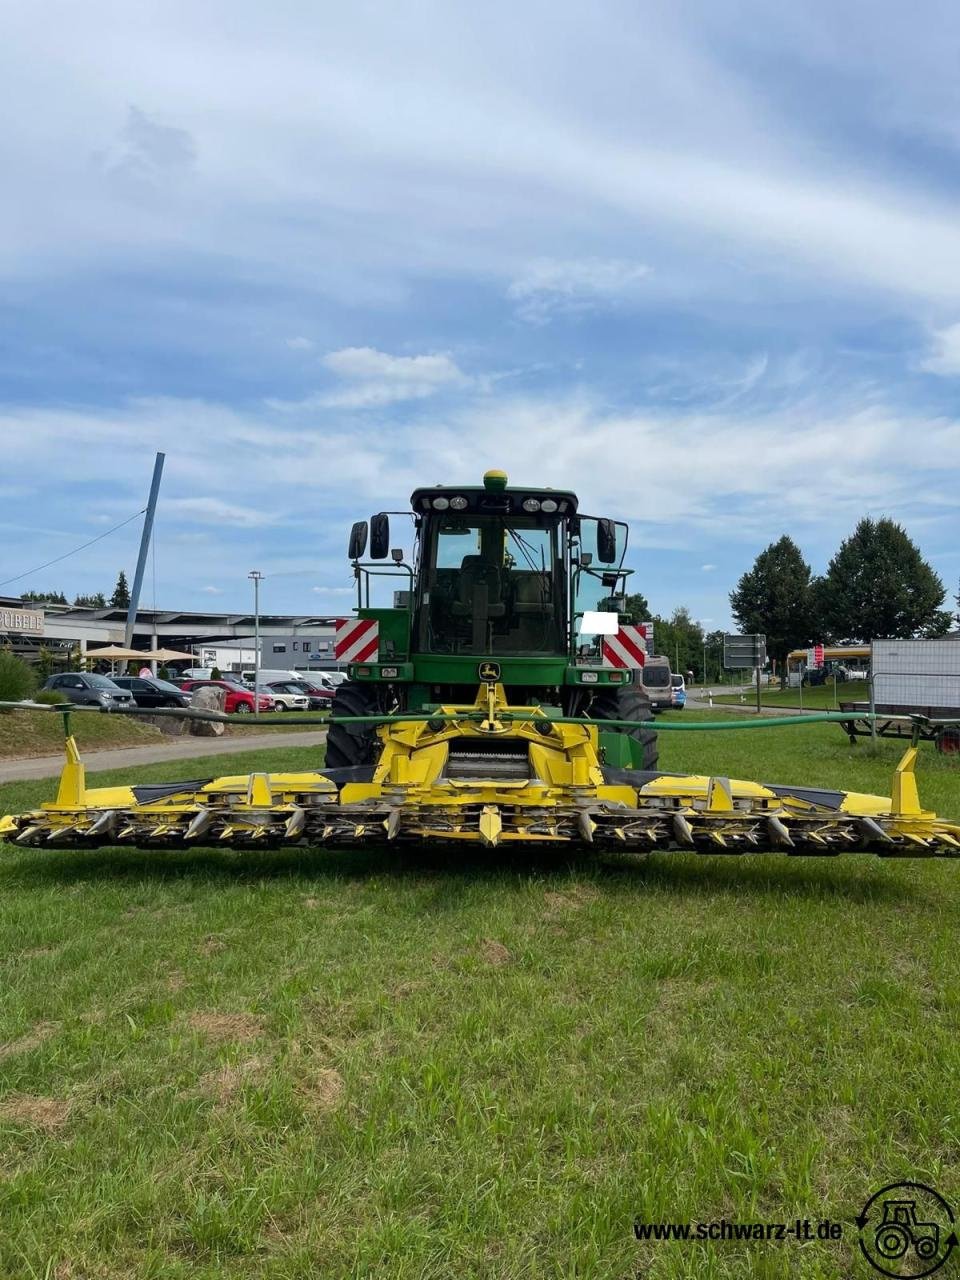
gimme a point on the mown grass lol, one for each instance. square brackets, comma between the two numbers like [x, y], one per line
[472, 1065]
[820, 696]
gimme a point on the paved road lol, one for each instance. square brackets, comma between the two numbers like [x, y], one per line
[182, 749]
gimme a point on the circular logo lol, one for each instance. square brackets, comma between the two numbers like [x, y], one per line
[906, 1229]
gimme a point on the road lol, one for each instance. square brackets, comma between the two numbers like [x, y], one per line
[182, 749]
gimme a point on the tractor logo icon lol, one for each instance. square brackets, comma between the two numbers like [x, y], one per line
[906, 1229]
[489, 672]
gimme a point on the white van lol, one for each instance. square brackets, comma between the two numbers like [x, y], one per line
[268, 675]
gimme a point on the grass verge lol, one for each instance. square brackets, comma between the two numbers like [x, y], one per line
[475, 1065]
[24, 734]
[820, 697]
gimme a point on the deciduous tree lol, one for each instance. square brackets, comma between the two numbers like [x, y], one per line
[774, 599]
[878, 585]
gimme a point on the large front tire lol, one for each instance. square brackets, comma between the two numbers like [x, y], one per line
[628, 702]
[349, 745]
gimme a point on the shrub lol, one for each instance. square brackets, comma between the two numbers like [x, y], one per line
[17, 678]
[50, 697]
[215, 674]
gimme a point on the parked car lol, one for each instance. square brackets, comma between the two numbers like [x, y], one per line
[151, 691]
[286, 696]
[89, 690]
[321, 695]
[317, 699]
[678, 692]
[237, 699]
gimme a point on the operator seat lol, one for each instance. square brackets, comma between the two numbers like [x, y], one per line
[478, 579]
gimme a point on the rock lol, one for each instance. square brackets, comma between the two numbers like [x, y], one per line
[207, 698]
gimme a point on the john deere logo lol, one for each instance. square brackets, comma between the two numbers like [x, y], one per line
[489, 672]
[906, 1229]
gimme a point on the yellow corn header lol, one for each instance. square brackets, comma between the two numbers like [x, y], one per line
[492, 774]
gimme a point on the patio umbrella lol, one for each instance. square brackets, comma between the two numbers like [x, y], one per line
[167, 655]
[115, 653]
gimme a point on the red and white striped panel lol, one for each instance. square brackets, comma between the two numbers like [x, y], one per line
[628, 648]
[357, 640]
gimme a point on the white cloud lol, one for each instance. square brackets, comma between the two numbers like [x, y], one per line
[550, 286]
[708, 568]
[334, 591]
[376, 378]
[300, 344]
[212, 591]
[944, 355]
[206, 510]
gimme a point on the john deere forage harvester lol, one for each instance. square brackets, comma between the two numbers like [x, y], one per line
[479, 708]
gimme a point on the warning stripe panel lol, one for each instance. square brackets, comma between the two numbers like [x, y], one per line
[626, 649]
[356, 640]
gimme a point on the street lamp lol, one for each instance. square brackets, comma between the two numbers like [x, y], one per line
[256, 576]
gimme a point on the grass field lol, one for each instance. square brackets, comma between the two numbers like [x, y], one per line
[346, 1065]
[820, 696]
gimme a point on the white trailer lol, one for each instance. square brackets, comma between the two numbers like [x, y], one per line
[913, 678]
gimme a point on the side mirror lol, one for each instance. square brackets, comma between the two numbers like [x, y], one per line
[379, 536]
[358, 540]
[606, 541]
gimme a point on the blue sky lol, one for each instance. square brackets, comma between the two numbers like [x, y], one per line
[700, 262]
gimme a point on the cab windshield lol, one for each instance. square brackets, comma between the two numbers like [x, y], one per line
[492, 586]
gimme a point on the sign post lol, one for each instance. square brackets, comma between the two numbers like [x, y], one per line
[745, 651]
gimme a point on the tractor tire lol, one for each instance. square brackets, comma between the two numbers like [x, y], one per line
[628, 702]
[349, 745]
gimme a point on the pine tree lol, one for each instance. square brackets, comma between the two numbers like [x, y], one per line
[121, 593]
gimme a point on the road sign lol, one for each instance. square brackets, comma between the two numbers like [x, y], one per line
[741, 652]
[818, 655]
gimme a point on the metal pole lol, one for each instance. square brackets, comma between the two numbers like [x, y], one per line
[144, 548]
[873, 702]
[256, 575]
[758, 685]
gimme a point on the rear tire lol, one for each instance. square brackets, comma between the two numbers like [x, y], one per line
[628, 702]
[349, 745]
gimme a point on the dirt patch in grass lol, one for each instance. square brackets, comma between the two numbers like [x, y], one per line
[175, 982]
[212, 945]
[48, 1114]
[495, 953]
[228, 1080]
[31, 1040]
[320, 1088]
[223, 1027]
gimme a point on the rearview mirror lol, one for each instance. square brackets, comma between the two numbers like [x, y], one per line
[379, 536]
[606, 541]
[358, 540]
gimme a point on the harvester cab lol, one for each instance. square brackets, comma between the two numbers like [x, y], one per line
[479, 707]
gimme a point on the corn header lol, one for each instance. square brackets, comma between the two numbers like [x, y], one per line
[486, 706]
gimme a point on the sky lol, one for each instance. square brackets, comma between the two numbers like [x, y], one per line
[699, 262]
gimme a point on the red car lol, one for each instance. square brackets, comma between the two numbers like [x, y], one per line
[238, 699]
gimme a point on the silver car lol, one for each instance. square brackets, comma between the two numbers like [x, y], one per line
[89, 690]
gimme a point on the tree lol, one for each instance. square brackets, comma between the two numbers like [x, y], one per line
[679, 638]
[43, 597]
[121, 593]
[879, 586]
[635, 608]
[774, 599]
[96, 601]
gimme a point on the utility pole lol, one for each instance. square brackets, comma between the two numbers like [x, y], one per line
[144, 548]
[256, 577]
